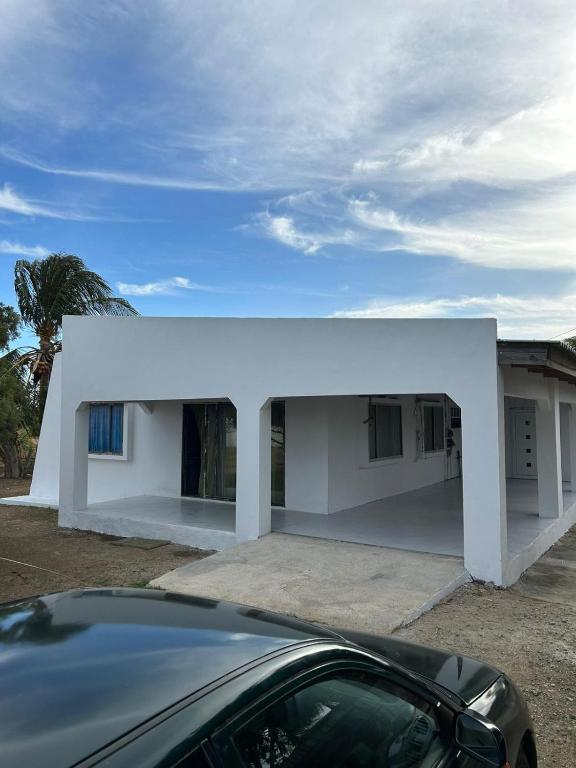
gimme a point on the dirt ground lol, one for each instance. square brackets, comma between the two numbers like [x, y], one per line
[529, 631]
[50, 559]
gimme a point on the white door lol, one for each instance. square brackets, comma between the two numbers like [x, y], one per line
[524, 443]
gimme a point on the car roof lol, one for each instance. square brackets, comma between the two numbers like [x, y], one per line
[81, 668]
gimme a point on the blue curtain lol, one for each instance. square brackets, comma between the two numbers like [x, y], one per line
[116, 427]
[106, 428]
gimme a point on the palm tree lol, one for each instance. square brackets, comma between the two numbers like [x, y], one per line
[46, 290]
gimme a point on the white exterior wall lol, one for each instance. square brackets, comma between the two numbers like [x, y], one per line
[46, 477]
[145, 360]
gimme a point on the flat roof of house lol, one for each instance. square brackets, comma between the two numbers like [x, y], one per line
[553, 359]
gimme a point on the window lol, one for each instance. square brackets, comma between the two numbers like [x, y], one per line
[106, 432]
[385, 430]
[433, 416]
[348, 720]
[455, 417]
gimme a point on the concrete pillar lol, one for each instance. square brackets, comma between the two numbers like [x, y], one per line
[571, 440]
[253, 471]
[484, 483]
[550, 502]
[74, 458]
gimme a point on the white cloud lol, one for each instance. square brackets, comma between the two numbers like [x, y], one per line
[532, 144]
[13, 202]
[282, 229]
[166, 287]
[127, 178]
[35, 251]
[533, 233]
[529, 317]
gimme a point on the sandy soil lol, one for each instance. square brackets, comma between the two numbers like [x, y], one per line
[533, 640]
[14, 487]
[71, 558]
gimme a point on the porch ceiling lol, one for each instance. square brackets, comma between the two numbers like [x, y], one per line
[552, 359]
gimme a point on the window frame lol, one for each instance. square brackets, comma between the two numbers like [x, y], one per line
[372, 422]
[433, 406]
[109, 456]
[223, 739]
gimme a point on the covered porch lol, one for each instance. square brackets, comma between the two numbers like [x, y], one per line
[428, 520]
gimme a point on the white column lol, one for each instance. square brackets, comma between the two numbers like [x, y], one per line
[74, 459]
[484, 483]
[253, 470]
[571, 434]
[550, 502]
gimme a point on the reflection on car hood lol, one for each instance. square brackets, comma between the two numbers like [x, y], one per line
[81, 668]
[465, 677]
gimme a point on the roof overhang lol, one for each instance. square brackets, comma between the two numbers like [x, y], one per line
[551, 359]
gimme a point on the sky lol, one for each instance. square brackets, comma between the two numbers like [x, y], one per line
[290, 158]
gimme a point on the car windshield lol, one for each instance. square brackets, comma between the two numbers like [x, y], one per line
[344, 721]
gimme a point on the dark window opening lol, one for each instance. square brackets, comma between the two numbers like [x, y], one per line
[278, 453]
[433, 416]
[385, 431]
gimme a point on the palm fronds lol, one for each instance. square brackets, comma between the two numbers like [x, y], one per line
[47, 289]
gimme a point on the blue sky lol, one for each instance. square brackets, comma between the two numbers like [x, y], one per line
[374, 159]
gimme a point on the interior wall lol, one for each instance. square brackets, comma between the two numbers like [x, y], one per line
[565, 441]
[327, 455]
[353, 478]
[306, 454]
[153, 464]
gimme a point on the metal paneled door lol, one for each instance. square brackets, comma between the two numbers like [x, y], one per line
[524, 443]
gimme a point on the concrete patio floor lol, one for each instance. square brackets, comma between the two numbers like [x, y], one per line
[429, 519]
[330, 582]
[194, 522]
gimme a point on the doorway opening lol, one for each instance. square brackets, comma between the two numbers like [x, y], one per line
[209, 439]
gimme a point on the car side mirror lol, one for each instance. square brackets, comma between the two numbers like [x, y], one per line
[481, 739]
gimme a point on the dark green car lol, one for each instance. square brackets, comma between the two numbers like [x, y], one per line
[143, 679]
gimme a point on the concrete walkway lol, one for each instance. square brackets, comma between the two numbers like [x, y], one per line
[329, 582]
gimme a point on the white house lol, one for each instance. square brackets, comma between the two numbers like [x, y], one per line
[426, 435]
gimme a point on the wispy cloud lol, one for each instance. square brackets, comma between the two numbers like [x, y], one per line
[536, 232]
[518, 317]
[134, 179]
[283, 229]
[530, 145]
[167, 287]
[35, 251]
[13, 202]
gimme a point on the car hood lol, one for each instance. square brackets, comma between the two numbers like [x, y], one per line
[465, 677]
